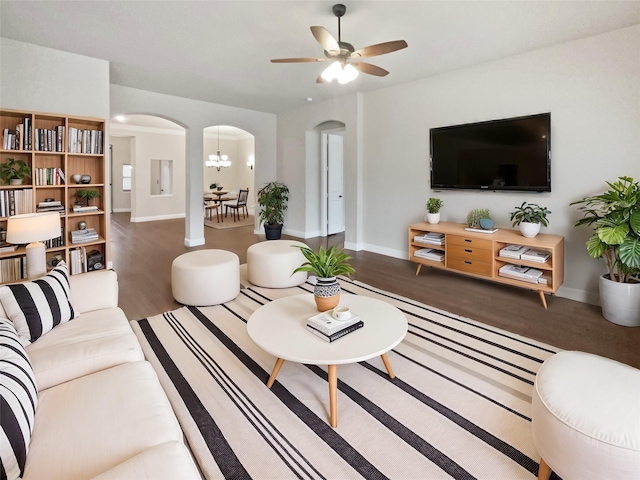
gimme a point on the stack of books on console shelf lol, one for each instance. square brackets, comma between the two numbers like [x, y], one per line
[517, 272]
[330, 329]
[84, 236]
[432, 238]
[512, 251]
[81, 209]
[430, 254]
[539, 256]
[50, 206]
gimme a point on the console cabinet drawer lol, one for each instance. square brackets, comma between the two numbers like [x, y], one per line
[477, 243]
[470, 253]
[469, 266]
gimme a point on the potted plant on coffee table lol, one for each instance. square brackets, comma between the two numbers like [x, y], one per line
[433, 207]
[13, 172]
[530, 217]
[273, 198]
[327, 265]
[615, 215]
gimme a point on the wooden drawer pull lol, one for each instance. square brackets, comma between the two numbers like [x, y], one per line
[468, 240]
[468, 250]
[468, 262]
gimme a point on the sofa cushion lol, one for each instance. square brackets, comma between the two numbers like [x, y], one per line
[37, 307]
[94, 341]
[18, 402]
[168, 460]
[91, 424]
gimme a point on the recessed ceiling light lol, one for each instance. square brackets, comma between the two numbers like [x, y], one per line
[120, 118]
[309, 99]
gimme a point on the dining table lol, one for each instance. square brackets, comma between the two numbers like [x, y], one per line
[217, 196]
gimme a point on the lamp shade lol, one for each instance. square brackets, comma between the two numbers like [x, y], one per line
[33, 227]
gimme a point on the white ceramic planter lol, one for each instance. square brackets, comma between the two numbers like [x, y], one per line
[433, 218]
[620, 302]
[529, 230]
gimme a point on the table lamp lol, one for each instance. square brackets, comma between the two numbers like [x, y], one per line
[32, 228]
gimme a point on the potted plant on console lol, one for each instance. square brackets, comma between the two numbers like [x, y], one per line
[433, 207]
[273, 198]
[530, 217]
[615, 215]
[13, 172]
[327, 265]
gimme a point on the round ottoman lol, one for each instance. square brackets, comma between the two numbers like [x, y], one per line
[205, 277]
[586, 417]
[271, 263]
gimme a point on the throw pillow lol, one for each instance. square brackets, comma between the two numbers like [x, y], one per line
[36, 307]
[18, 402]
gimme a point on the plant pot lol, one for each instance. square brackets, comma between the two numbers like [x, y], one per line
[273, 232]
[433, 218]
[15, 181]
[620, 302]
[529, 230]
[326, 293]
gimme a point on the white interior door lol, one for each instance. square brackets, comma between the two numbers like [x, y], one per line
[335, 184]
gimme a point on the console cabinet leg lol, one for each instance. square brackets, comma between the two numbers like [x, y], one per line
[418, 270]
[542, 299]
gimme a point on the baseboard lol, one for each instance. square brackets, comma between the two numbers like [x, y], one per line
[356, 247]
[121, 210]
[156, 217]
[194, 243]
[582, 296]
[296, 233]
[389, 252]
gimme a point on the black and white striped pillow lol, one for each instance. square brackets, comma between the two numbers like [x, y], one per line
[36, 307]
[18, 402]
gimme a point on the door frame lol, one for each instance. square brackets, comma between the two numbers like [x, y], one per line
[324, 170]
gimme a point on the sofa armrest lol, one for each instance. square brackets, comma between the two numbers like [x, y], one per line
[94, 290]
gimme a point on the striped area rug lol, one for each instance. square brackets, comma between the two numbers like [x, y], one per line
[459, 407]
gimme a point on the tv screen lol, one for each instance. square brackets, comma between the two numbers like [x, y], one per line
[512, 154]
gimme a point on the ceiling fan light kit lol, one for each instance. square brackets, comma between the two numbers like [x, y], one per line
[345, 59]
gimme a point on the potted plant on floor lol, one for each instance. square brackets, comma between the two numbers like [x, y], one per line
[433, 207]
[13, 172]
[273, 198]
[530, 217]
[327, 265]
[615, 215]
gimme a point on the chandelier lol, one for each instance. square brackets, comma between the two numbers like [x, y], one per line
[218, 160]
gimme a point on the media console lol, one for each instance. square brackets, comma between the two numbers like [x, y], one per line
[477, 254]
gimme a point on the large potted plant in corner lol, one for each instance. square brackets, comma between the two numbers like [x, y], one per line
[327, 265]
[530, 217]
[273, 198]
[13, 172]
[615, 215]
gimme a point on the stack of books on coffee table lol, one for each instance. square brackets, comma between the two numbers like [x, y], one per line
[330, 329]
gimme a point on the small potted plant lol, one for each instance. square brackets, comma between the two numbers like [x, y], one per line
[530, 217]
[327, 265]
[615, 215]
[273, 198]
[87, 195]
[13, 172]
[433, 207]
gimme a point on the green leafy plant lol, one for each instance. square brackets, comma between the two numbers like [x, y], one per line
[273, 198]
[14, 169]
[213, 186]
[87, 195]
[615, 215]
[474, 217]
[531, 213]
[434, 205]
[325, 263]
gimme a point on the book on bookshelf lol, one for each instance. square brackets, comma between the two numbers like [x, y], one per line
[532, 255]
[90, 208]
[339, 334]
[518, 272]
[7, 247]
[328, 325]
[512, 251]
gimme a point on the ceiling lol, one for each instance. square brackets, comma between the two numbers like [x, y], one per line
[219, 51]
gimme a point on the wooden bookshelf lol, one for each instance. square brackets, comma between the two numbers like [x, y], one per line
[477, 254]
[54, 156]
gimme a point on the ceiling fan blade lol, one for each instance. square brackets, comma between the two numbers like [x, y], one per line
[326, 40]
[320, 79]
[297, 60]
[379, 49]
[371, 69]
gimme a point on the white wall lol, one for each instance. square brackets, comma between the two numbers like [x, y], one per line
[194, 116]
[590, 86]
[123, 150]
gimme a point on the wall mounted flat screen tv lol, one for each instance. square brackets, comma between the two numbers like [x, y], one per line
[512, 154]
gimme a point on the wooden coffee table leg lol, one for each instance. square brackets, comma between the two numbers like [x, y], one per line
[274, 373]
[387, 365]
[333, 395]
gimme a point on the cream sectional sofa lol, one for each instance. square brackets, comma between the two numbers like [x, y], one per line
[101, 411]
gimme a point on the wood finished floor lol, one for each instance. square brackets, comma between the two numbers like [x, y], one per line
[142, 254]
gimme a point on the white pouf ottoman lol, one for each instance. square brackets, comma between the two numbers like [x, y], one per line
[205, 277]
[586, 418]
[270, 264]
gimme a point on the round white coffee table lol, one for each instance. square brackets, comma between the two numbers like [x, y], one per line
[279, 328]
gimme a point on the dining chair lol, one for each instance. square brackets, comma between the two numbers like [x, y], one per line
[239, 206]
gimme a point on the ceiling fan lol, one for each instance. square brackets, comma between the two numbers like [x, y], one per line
[345, 60]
